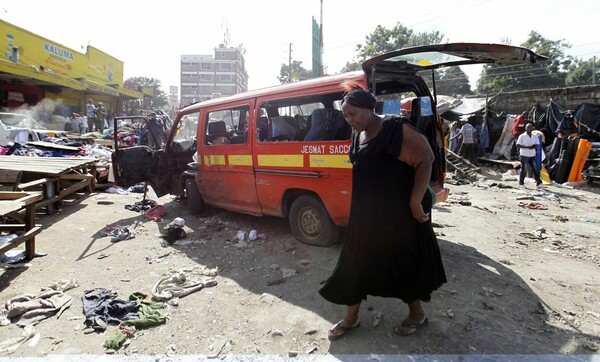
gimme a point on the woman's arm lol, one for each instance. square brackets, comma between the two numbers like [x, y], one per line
[417, 153]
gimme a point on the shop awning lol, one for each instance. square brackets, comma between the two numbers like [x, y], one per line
[128, 93]
[35, 77]
[95, 87]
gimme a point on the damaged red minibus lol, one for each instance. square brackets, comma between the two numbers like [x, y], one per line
[283, 150]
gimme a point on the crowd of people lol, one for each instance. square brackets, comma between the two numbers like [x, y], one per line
[97, 118]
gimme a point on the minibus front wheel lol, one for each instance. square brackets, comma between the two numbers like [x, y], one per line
[310, 222]
[195, 203]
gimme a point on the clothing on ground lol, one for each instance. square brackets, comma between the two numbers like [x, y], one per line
[30, 309]
[101, 308]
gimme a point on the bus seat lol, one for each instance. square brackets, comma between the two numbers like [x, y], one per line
[325, 123]
[422, 118]
[216, 129]
[344, 130]
[262, 127]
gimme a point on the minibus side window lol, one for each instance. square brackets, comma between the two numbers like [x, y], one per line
[185, 136]
[307, 119]
[228, 126]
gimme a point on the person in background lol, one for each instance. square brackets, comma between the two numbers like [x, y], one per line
[100, 117]
[390, 249]
[91, 115]
[469, 138]
[109, 119]
[519, 125]
[518, 128]
[83, 124]
[527, 143]
[567, 126]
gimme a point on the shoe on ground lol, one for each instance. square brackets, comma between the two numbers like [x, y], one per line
[521, 186]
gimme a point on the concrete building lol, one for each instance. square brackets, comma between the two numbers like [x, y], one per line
[205, 77]
[35, 69]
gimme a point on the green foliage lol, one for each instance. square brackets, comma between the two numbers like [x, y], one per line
[505, 78]
[158, 101]
[383, 40]
[297, 73]
[581, 73]
[452, 81]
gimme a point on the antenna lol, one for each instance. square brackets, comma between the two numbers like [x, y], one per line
[225, 29]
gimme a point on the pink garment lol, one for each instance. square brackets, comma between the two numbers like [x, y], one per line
[156, 213]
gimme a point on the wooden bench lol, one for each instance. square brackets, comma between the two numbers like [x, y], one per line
[13, 220]
[9, 180]
[54, 177]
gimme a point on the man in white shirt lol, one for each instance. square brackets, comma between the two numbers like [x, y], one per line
[527, 144]
[467, 147]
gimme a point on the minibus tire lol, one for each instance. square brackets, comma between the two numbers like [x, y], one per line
[195, 203]
[310, 222]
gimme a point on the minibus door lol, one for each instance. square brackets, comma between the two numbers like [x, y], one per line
[142, 163]
[227, 172]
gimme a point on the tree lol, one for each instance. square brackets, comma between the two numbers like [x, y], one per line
[297, 73]
[158, 101]
[551, 74]
[453, 81]
[383, 40]
[581, 72]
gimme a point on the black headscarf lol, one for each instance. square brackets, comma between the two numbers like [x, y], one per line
[360, 98]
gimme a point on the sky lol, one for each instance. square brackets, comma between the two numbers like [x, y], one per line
[150, 36]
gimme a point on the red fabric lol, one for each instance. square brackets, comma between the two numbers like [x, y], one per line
[518, 126]
[156, 213]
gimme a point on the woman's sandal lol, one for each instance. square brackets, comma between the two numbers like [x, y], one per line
[339, 330]
[407, 328]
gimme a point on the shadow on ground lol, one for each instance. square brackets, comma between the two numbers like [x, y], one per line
[485, 308]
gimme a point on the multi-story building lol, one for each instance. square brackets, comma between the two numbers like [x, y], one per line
[205, 77]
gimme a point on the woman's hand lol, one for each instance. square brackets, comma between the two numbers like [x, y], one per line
[418, 213]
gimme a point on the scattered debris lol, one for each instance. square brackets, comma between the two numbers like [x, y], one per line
[64, 284]
[533, 205]
[560, 218]
[377, 319]
[12, 344]
[118, 233]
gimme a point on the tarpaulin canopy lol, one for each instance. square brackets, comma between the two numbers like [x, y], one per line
[454, 109]
[588, 116]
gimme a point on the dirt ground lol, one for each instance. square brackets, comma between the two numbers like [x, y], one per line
[523, 269]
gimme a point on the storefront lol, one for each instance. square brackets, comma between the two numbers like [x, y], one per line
[53, 72]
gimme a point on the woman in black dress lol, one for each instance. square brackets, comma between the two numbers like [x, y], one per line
[391, 249]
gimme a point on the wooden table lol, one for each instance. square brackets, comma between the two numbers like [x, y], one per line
[11, 206]
[55, 177]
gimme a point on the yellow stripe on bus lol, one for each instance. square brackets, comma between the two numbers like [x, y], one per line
[332, 161]
[240, 160]
[281, 160]
[214, 160]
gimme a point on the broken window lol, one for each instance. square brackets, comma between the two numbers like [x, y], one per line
[228, 126]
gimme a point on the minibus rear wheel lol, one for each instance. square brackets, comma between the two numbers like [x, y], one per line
[310, 222]
[195, 203]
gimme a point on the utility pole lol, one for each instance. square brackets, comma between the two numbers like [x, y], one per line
[290, 64]
[321, 41]
[594, 71]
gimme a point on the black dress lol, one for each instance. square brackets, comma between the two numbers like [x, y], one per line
[387, 252]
